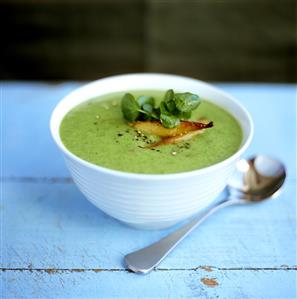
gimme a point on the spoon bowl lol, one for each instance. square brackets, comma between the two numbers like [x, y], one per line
[259, 178]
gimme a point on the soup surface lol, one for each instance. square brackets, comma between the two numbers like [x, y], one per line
[97, 132]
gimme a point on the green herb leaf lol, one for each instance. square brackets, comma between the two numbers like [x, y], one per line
[171, 106]
[156, 113]
[172, 109]
[169, 96]
[163, 108]
[186, 102]
[142, 100]
[148, 108]
[185, 115]
[169, 100]
[130, 107]
[169, 121]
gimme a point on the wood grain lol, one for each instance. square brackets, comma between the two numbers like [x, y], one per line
[62, 230]
[159, 284]
[55, 244]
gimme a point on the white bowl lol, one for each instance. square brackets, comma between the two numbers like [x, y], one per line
[150, 201]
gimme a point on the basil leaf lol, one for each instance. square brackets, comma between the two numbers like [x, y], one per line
[186, 102]
[169, 121]
[130, 107]
[142, 100]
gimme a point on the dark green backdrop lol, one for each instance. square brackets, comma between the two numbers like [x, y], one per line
[227, 40]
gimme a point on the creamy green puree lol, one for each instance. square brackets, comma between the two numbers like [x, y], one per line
[97, 132]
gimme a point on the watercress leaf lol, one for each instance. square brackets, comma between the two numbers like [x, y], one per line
[186, 102]
[148, 108]
[163, 108]
[142, 100]
[169, 121]
[169, 96]
[173, 108]
[170, 106]
[156, 113]
[185, 115]
[130, 107]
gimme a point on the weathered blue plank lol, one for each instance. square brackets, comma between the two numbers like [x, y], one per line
[273, 109]
[27, 144]
[27, 109]
[160, 284]
[54, 226]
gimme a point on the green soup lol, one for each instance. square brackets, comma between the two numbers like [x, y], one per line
[97, 132]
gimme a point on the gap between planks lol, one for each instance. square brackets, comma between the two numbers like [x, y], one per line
[205, 268]
[37, 180]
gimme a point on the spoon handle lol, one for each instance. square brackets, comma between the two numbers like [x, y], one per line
[145, 259]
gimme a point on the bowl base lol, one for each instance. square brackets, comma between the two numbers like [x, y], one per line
[153, 225]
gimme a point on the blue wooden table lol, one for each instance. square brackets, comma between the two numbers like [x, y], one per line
[55, 244]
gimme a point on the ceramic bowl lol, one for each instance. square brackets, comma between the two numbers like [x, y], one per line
[151, 201]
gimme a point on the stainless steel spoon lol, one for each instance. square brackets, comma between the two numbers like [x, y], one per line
[256, 179]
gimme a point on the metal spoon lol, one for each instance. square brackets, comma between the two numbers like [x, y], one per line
[256, 179]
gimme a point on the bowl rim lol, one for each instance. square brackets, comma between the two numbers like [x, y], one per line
[152, 177]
